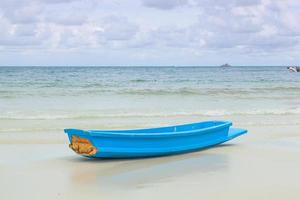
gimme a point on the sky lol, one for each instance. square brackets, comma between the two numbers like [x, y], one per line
[149, 32]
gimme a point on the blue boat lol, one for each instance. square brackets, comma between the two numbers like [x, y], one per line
[151, 141]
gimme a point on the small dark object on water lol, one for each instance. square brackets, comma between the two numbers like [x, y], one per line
[294, 69]
[226, 65]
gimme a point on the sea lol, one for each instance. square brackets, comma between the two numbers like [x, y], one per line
[49, 99]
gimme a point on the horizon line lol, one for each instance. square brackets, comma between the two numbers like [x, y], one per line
[145, 66]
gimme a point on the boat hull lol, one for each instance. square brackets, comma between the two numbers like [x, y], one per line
[152, 142]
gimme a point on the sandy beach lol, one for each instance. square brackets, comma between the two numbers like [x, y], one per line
[263, 164]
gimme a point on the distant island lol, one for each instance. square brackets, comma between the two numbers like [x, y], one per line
[225, 65]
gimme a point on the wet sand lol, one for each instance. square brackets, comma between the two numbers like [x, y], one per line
[263, 164]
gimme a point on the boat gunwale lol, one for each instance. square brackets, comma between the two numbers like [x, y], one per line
[111, 133]
[140, 152]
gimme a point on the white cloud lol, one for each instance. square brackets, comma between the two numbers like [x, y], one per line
[22, 13]
[117, 28]
[25, 30]
[198, 26]
[165, 4]
[66, 18]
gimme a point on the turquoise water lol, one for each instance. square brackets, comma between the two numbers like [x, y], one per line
[51, 98]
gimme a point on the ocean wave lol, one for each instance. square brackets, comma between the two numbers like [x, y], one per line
[143, 80]
[32, 129]
[278, 89]
[151, 91]
[59, 116]
[185, 91]
[58, 129]
[96, 90]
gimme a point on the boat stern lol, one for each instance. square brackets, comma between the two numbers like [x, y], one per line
[235, 132]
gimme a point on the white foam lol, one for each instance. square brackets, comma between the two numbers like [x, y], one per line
[101, 114]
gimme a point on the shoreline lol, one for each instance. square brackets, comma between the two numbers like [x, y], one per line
[59, 137]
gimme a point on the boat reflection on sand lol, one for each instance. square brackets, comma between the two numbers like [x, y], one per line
[142, 172]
